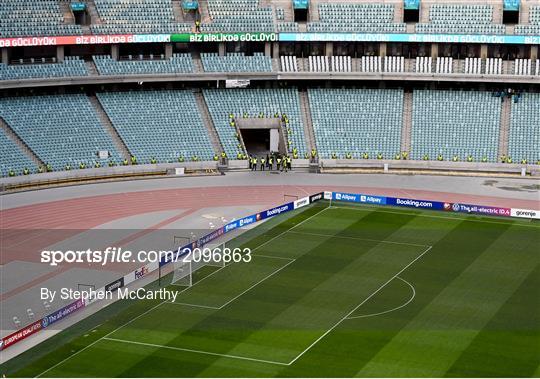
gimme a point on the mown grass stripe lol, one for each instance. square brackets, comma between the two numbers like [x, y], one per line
[435, 338]
[503, 346]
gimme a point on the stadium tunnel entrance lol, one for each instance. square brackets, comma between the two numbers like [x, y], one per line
[262, 135]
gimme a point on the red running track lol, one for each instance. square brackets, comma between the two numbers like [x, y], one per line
[28, 229]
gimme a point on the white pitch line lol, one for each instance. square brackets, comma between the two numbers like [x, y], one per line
[197, 351]
[359, 239]
[120, 327]
[272, 257]
[291, 228]
[256, 284]
[503, 221]
[193, 305]
[163, 302]
[237, 296]
[358, 306]
[393, 309]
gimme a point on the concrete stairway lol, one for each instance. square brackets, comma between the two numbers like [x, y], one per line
[209, 123]
[92, 12]
[107, 124]
[20, 143]
[178, 11]
[91, 68]
[203, 10]
[309, 133]
[65, 8]
[406, 128]
[504, 131]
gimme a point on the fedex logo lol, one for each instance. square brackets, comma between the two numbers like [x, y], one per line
[141, 272]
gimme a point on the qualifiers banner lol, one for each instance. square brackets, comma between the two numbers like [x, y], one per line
[84, 40]
[21, 334]
[225, 37]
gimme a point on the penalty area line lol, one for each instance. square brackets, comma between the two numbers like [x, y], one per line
[196, 351]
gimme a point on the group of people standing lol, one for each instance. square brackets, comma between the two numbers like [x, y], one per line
[283, 162]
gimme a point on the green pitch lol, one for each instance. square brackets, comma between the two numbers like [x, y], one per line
[332, 292]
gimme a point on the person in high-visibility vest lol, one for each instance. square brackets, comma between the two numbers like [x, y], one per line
[111, 163]
[11, 173]
[508, 160]
[278, 162]
[405, 155]
[40, 169]
[216, 158]
[255, 163]
[26, 171]
[68, 167]
[223, 155]
[334, 156]
[379, 156]
[284, 164]
[97, 165]
[365, 155]
[425, 157]
[455, 158]
[469, 158]
[133, 160]
[439, 157]
[82, 166]
[289, 162]
[125, 162]
[484, 159]
[503, 158]
[523, 161]
[153, 160]
[348, 156]
[271, 162]
[48, 167]
[263, 163]
[197, 26]
[181, 158]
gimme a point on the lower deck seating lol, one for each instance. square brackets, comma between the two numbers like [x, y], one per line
[357, 121]
[165, 125]
[252, 102]
[524, 138]
[455, 123]
[12, 157]
[60, 129]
